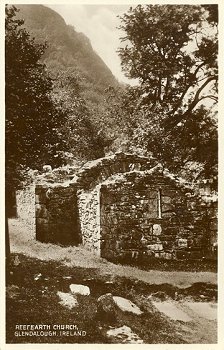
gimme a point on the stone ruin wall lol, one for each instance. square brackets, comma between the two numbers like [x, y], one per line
[25, 207]
[89, 216]
[89, 181]
[115, 218]
[132, 224]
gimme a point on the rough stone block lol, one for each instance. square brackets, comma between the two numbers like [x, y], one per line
[167, 215]
[167, 244]
[166, 200]
[155, 247]
[167, 207]
[150, 214]
[156, 229]
[182, 243]
[168, 256]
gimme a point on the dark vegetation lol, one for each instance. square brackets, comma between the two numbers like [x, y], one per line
[42, 307]
[176, 64]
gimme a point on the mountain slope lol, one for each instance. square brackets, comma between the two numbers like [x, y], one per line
[67, 50]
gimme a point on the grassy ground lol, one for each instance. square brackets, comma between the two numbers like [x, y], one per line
[35, 301]
[38, 271]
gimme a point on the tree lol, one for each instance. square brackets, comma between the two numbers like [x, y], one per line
[33, 121]
[175, 62]
[79, 130]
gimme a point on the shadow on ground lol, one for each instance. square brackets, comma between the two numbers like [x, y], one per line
[32, 298]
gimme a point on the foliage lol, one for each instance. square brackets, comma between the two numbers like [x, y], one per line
[114, 118]
[176, 65]
[81, 134]
[32, 118]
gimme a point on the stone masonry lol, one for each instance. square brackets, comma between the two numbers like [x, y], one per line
[122, 206]
[152, 215]
[89, 214]
[25, 203]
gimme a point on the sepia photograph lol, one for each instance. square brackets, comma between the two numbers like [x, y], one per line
[111, 173]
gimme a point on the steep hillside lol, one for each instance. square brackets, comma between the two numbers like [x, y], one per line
[68, 50]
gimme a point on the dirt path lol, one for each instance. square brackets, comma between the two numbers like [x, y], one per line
[77, 256]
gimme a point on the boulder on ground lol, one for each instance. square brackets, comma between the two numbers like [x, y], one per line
[106, 303]
[127, 305]
[79, 289]
[67, 300]
[124, 335]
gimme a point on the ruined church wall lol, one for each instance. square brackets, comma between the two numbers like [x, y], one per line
[89, 217]
[122, 206]
[25, 203]
[153, 217]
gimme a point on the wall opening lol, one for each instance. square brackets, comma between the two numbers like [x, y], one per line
[159, 205]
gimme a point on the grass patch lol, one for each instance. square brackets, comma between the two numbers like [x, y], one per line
[32, 299]
[151, 263]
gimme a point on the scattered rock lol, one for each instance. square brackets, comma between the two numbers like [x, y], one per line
[67, 300]
[37, 276]
[125, 335]
[12, 291]
[79, 289]
[47, 168]
[16, 261]
[172, 311]
[127, 305]
[106, 303]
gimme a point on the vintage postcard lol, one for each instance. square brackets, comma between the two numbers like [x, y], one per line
[110, 158]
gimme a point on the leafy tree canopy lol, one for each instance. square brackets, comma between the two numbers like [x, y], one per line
[169, 57]
[172, 51]
[33, 120]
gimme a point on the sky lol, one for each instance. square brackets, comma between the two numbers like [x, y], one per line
[99, 23]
